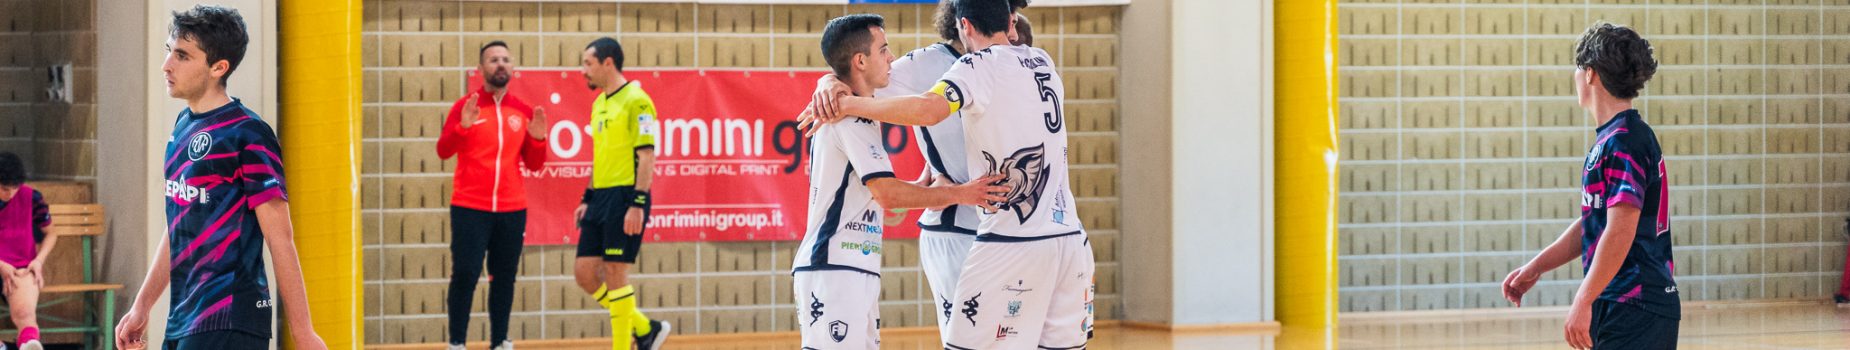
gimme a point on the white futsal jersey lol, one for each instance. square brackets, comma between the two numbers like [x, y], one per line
[942, 144]
[844, 229]
[1009, 98]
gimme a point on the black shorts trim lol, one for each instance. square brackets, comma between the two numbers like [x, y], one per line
[832, 267]
[949, 228]
[996, 238]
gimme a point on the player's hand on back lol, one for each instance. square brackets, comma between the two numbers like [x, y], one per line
[470, 111]
[940, 180]
[982, 192]
[537, 127]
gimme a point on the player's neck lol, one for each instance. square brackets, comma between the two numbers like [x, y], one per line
[212, 99]
[615, 83]
[1604, 109]
[859, 86]
[957, 46]
[984, 42]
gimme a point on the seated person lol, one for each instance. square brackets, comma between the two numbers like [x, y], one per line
[23, 248]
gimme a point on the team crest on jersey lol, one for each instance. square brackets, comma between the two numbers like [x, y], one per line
[1027, 171]
[513, 122]
[198, 146]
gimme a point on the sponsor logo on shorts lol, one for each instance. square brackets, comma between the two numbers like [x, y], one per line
[947, 309]
[1018, 288]
[838, 330]
[1670, 290]
[815, 309]
[970, 308]
[1014, 308]
[1003, 332]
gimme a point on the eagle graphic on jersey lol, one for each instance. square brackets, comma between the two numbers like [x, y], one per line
[1027, 176]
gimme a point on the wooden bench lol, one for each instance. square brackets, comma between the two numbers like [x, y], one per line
[84, 222]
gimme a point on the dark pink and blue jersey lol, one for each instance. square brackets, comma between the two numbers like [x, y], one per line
[220, 165]
[1626, 168]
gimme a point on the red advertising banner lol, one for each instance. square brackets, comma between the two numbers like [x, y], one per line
[730, 162]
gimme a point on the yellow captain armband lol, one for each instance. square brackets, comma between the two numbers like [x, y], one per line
[951, 92]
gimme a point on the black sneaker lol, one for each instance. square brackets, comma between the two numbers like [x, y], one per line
[1842, 300]
[654, 340]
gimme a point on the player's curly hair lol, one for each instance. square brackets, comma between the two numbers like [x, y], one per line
[1621, 57]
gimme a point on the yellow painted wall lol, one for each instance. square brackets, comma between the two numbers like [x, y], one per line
[320, 126]
[1305, 46]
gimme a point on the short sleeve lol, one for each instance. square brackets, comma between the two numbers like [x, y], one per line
[645, 124]
[966, 86]
[1626, 176]
[860, 141]
[260, 166]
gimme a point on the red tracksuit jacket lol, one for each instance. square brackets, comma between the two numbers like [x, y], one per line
[487, 176]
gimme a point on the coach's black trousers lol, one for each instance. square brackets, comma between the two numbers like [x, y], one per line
[500, 236]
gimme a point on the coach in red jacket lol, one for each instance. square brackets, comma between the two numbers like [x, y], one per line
[491, 134]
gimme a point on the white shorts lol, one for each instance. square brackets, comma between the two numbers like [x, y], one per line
[941, 255]
[838, 310]
[1025, 295]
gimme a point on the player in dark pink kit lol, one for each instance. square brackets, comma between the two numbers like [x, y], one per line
[225, 203]
[1629, 298]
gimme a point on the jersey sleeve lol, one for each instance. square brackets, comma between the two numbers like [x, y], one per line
[260, 167]
[1626, 176]
[860, 141]
[645, 125]
[966, 86]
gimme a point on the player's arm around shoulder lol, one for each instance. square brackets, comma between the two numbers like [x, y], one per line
[913, 110]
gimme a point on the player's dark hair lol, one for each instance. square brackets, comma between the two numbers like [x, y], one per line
[1621, 57]
[947, 17]
[219, 32]
[606, 48]
[12, 171]
[484, 50]
[846, 36]
[989, 16]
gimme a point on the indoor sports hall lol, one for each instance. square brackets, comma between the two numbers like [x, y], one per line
[1243, 174]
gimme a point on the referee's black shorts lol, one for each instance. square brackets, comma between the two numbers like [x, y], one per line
[600, 232]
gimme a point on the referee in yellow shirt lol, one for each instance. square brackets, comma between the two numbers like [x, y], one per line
[615, 208]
